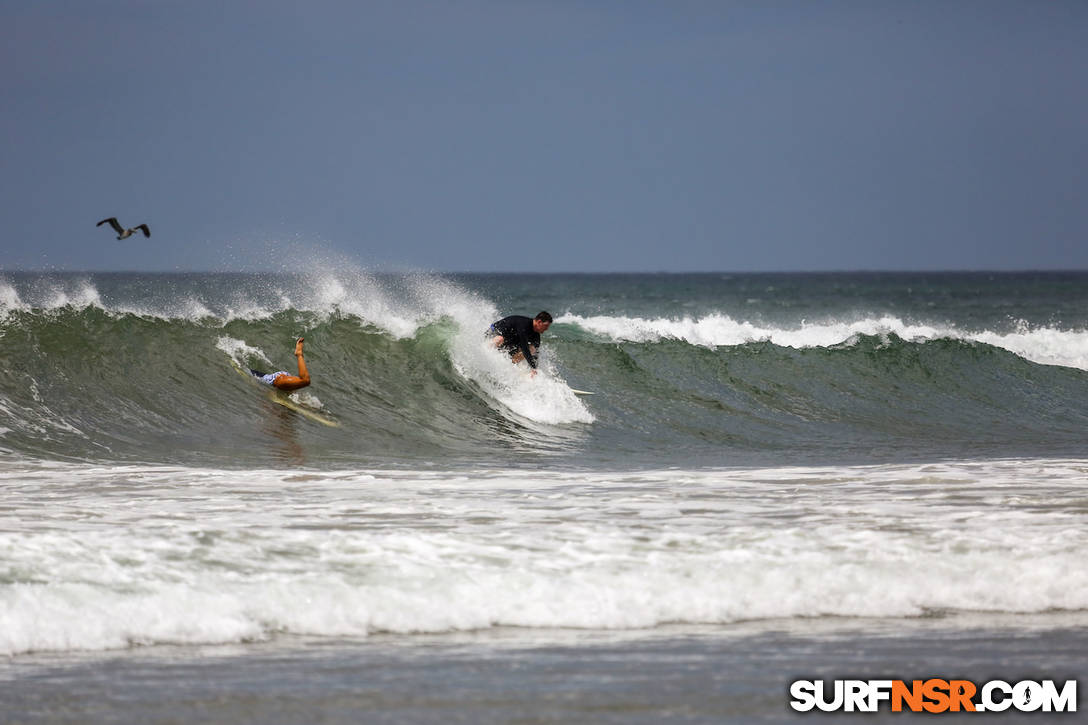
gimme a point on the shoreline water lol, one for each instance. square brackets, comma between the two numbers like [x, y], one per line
[673, 674]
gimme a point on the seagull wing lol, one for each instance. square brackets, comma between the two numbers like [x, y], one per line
[144, 229]
[112, 221]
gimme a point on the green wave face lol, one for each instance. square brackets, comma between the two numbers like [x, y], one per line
[130, 368]
[90, 385]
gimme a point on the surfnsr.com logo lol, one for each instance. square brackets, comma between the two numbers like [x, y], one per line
[933, 696]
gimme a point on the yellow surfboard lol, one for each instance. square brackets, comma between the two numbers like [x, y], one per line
[280, 398]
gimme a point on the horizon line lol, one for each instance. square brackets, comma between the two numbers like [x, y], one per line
[524, 273]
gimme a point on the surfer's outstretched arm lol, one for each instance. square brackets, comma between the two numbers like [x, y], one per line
[292, 382]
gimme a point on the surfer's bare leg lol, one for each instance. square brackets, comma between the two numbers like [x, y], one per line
[292, 382]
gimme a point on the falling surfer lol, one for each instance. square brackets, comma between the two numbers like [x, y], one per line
[284, 383]
[283, 380]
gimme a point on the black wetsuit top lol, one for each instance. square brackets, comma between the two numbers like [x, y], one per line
[518, 334]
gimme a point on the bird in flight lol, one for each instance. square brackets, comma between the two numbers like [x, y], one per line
[123, 233]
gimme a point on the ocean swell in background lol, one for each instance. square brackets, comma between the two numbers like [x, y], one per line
[1046, 345]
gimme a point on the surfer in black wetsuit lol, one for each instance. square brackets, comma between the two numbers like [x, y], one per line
[520, 336]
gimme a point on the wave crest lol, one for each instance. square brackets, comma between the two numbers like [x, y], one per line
[1044, 345]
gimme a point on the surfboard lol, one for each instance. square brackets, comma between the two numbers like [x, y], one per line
[280, 398]
[528, 375]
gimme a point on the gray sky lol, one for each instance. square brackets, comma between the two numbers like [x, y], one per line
[556, 135]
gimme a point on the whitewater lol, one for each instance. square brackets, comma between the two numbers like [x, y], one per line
[785, 463]
[128, 556]
[1044, 345]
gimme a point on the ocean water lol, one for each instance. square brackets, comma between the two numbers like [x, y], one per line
[776, 475]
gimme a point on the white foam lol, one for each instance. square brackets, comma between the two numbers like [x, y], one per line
[307, 399]
[52, 294]
[1045, 345]
[49, 294]
[9, 298]
[325, 291]
[81, 295]
[239, 351]
[94, 558]
[356, 292]
[545, 398]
